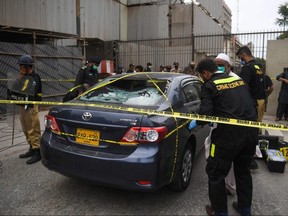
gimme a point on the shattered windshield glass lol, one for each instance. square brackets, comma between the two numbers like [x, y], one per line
[129, 92]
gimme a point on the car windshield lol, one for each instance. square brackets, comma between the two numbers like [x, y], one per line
[137, 92]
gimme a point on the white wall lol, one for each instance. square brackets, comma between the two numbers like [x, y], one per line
[277, 59]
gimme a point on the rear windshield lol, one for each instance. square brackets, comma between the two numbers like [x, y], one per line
[129, 92]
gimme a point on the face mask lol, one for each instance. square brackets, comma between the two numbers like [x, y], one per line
[221, 68]
[242, 62]
[94, 67]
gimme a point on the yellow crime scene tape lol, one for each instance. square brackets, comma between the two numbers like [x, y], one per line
[230, 121]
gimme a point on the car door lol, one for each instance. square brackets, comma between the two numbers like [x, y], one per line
[191, 104]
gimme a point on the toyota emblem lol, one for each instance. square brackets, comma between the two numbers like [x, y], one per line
[86, 116]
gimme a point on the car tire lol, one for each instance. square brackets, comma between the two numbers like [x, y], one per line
[184, 170]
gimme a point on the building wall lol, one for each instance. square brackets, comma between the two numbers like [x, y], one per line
[55, 15]
[146, 22]
[204, 24]
[277, 60]
[151, 20]
[110, 20]
[227, 20]
[100, 19]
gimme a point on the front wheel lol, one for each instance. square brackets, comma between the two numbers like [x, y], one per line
[184, 170]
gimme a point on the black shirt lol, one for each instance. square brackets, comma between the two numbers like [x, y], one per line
[254, 77]
[228, 97]
[87, 75]
[28, 87]
[283, 95]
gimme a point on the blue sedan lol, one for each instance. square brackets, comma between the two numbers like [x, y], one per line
[112, 145]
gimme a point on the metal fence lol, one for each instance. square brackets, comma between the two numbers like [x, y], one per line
[184, 49]
[56, 66]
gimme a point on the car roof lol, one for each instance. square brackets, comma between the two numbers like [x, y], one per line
[153, 75]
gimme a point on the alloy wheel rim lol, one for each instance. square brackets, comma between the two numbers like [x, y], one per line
[187, 166]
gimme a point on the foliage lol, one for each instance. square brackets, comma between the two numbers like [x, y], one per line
[283, 21]
[283, 36]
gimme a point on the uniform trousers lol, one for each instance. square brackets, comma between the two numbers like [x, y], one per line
[260, 109]
[231, 144]
[30, 123]
[282, 109]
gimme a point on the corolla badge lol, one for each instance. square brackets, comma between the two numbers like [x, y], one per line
[86, 116]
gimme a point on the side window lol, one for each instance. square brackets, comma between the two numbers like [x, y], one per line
[198, 86]
[190, 91]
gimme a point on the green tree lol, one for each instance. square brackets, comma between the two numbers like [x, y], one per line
[283, 21]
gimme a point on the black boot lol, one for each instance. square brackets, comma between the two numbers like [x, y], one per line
[35, 157]
[29, 153]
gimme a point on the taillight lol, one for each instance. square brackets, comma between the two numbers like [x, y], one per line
[144, 134]
[51, 124]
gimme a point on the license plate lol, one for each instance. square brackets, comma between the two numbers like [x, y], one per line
[86, 136]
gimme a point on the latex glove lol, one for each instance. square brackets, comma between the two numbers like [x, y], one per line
[192, 125]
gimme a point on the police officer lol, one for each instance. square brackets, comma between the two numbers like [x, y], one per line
[176, 68]
[227, 97]
[148, 68]
[28, 87]
[252, 74]
[282, 108]
[89, 74]
[190, 69]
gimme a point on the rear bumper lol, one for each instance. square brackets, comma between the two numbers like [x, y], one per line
[119, 172]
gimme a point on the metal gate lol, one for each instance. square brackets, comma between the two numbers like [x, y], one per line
[165, 51]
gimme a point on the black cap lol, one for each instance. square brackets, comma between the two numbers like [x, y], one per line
[95, 59]
[149, 64]
[130, 65]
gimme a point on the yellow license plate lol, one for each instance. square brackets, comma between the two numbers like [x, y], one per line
[86, 136]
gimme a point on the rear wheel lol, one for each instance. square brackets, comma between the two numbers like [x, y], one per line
[184, 170]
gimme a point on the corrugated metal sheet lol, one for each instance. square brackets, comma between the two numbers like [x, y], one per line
[55, 15]
[151, 21]
[100, 19]
[147, 22]
[204, 24]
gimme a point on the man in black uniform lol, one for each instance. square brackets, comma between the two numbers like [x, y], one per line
[227, 97]
[148, 68]
[28, 87]
[282, 109]
[252, 74]
[89, 74]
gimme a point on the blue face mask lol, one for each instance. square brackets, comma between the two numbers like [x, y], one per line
[242, 62]
[221, 69]
[94, 67]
